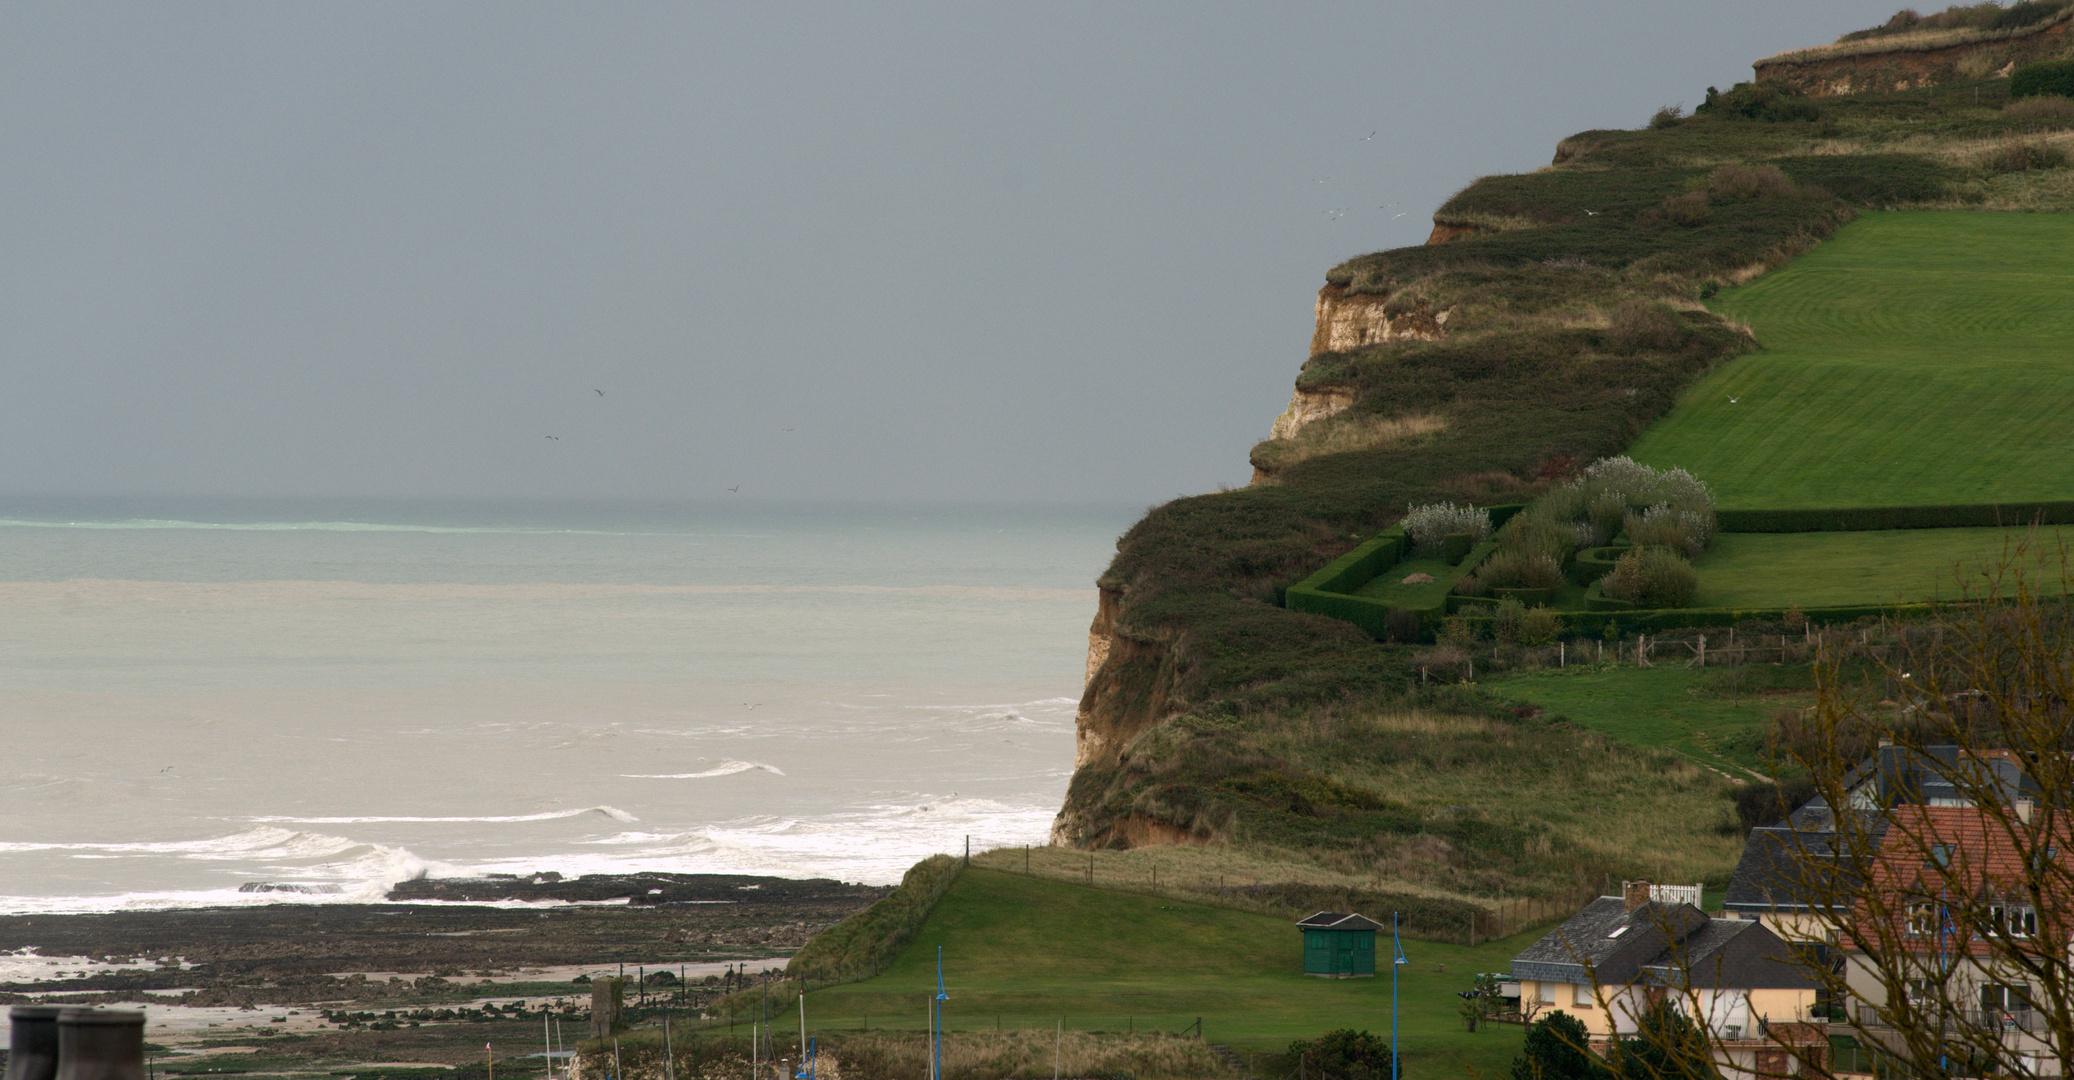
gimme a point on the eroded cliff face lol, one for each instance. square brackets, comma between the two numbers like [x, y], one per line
[1349, 321]
[1130, 680]
[1915, 61]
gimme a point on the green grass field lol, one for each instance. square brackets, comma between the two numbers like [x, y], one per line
[1024, 952]
[1774, 570]
[1389, 585]
[1716, 717]
[1915, 358]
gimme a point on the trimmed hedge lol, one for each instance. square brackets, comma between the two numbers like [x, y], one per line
[2052, 77]
[1877, 518]
[1591, 564]
[1330, 590]
[868, 942]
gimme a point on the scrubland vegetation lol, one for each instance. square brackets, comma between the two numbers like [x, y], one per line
[1586, 302]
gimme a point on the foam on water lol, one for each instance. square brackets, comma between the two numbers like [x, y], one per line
[334, 702]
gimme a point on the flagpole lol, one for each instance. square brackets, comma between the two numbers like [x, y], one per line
[489, 1060]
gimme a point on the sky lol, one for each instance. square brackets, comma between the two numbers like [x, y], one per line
[1046, 252]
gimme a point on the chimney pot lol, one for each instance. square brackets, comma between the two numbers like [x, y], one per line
[1634, 893]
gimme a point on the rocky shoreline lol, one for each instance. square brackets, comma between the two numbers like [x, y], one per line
[419, 975]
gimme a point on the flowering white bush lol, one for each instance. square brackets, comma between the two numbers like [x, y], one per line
[1430, 524]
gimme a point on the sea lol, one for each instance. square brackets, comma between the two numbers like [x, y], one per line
[229, 702]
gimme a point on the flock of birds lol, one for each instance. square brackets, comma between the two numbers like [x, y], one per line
[1337, 213]
[735, 490]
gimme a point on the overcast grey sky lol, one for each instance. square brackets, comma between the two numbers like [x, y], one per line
[1048, 251]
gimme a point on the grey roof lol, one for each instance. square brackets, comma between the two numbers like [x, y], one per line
[1333, 920]
[1896, 775]
[1659, 944]
[1771, 876]
[1607, 940]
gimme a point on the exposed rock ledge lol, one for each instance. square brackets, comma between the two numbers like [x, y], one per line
[1350, 321]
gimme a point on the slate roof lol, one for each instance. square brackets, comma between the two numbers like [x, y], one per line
[1659, 944]
[1333, 920]
[1608, 939]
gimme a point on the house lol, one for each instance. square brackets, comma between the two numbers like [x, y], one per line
[1337, 946]
[1620, 956]
[1781, 878]
[1958, 910]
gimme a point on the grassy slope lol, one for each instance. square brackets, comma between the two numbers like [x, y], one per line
[1698, 714]
[1915, 358]
[1771, 570]
[1030, 952]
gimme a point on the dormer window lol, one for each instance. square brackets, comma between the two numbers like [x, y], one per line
[2013, 920]
[1940, 857]
[1617, 931]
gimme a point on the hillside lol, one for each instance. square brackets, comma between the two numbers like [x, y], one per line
[1553, 320]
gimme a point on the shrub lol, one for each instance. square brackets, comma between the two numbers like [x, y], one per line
[1750, 182]
[1457, 632]
[1685, 531]
[1401, 626]
[1688, 209]
[1541, 627]
[1651, 578]
[2041, 107]
[1765, 102]
[1428, 526]
[1540, 534]
[1668, 116]
[1646, 326]
[1979, 16]
[1454, 547]
[1508, 619]
[1471, 585]
[1759, 805]
[1345, 1054]
[1519, 570]
[2053, 77]
[2023, 157]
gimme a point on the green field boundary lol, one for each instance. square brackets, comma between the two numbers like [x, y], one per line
[1331, 591]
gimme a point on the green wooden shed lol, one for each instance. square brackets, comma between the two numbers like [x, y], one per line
[1337, 946]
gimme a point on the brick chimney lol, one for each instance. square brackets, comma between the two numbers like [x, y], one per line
[1634, 893]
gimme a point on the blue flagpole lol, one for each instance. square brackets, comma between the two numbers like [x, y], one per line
[1397, 960]
[943, 997]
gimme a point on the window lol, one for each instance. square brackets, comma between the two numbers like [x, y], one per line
[1545, 993]
[1940, 857]
[2013, 920]
[2005, 997]
[1920, 993]
[1922, 919]
[1617, 931]
[1582, 997]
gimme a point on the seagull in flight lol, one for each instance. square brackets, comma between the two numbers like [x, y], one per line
[168, 768]
[737, 489]
[556, 438]
[787, 431]
[1370, 135]
[1732, 399]
[751, 706]
[1399, 214]
[1591, 213]
[601, 393]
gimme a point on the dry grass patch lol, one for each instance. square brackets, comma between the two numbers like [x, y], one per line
[1343, 433]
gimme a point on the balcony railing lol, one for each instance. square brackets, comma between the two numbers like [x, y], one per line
[2012, 1020]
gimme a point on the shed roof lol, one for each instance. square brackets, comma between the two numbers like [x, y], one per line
[1333, 920]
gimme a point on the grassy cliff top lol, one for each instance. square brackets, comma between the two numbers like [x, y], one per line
[1578, 315]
